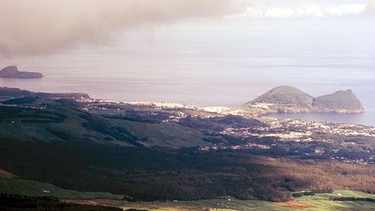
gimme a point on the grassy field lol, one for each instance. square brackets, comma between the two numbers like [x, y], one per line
[205, 205]
[33, 188]
[318, 202]
[322, 202]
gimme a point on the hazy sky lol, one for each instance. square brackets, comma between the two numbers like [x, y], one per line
[33, 27]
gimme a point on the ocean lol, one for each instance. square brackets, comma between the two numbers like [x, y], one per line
[227, 70]
[216, 86]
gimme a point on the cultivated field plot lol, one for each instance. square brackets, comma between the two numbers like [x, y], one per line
[318, 202]
[323, 201]
[205, 205]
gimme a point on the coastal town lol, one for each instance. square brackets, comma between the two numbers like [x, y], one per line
[328, 138]
[220, 127]
[344, 142]
[228, 147]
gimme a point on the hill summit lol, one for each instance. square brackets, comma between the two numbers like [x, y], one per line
[288, 99]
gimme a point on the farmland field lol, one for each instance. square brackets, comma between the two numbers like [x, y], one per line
[319, 202]
[323, 202]
[40, 189]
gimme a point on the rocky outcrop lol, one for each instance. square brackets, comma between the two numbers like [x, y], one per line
[12, 72]
[287, 99]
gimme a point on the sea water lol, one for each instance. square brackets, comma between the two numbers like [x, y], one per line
[213, 71]
[248, 78]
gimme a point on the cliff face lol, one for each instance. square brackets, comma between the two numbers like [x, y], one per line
[287, 99]
[12, 72]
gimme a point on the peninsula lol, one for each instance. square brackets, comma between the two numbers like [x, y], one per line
[12, 72]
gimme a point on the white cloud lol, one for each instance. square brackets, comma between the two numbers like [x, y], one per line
[278, 13]
[346, 9]
[308, 10]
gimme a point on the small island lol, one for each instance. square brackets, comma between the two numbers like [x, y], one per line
[13, 72]
[288, 99]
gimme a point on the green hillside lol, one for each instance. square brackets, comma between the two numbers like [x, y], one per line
[154, 151]
[26, 187]
[62, 123]
[338, 101]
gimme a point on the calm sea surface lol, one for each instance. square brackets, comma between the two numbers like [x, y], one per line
[211, 72]
[214, 87]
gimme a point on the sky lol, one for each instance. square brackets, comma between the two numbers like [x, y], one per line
[157, 48]
[35, 27]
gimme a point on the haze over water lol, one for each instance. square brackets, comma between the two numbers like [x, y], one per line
[228, 62]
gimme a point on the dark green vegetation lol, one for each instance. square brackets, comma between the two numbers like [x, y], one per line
[185, 174]
[17, 186]
[7, 93]
[59, 117]
[150, 152]
[62, 123]
[287, 99]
